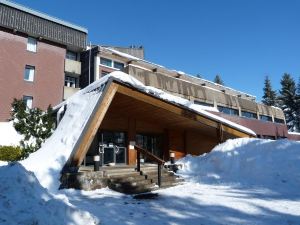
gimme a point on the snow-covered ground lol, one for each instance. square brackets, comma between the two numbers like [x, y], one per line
[9, 136]
[242, 181]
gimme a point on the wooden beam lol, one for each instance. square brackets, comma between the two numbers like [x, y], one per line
[179, 111]
[94, 125]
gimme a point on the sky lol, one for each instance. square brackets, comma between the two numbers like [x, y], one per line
[241, 40]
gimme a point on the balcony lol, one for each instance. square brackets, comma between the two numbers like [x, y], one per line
[68, 91]
[73, 67]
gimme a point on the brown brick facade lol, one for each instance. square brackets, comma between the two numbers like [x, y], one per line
[48, 60]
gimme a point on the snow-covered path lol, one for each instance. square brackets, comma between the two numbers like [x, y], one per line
[192, 203]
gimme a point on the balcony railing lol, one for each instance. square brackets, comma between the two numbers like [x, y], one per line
[73, 67]
[68, 91]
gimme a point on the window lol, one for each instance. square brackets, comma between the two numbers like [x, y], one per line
[28, 101]
[71, 55]
[71, 82]
[203, 103]
[277, 120]
[249, 115]
[31, 44]
[229, 111]
[118, 65]
[265, 118]
[29, 73]
[106, 62]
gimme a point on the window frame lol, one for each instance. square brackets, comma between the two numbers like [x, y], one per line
[31, 46]
[25, 100]
[70, 80]
[29, 68]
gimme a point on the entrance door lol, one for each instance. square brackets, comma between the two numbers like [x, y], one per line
[152, 143]
[112, 147]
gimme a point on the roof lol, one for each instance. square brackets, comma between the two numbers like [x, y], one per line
[43, 15]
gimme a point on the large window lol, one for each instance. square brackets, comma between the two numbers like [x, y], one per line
[229, 111]
[71, 81]
[71, 55]
[28, 101]
[277, 120]
[29, 73]
[31, 44]
[111, 63]
[249, 115]
[265, 118]
[118, 65]
[106, 62]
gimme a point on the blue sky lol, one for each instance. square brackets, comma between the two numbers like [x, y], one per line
[241, 40]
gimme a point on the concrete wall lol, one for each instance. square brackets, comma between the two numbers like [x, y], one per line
[47, 87]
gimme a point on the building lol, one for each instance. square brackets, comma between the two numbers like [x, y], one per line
[236, 106]
[39, 57]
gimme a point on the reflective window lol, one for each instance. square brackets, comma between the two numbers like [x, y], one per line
[249, 115]
[118, 65]
[28, 101]
[71, 55]
[29, 73]
[31, 44]
[106, 62]
[71, 81]
[276, 120]
[265, 118]
[229, 111]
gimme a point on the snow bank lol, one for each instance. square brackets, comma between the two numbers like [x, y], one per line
[48, 162]
[247, 161]
[8, 134]
[24, 201]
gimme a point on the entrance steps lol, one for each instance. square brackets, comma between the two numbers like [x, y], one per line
[144, 181]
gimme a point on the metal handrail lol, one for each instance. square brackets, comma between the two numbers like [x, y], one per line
[153, 157]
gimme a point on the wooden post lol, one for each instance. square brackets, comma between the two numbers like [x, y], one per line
[138, 161]
[159, 174]
[131, 156]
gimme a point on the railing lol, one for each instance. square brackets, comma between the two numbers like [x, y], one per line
[151, 156]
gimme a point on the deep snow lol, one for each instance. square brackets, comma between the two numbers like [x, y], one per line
[24, 201]
[9, 136]
[242, 181]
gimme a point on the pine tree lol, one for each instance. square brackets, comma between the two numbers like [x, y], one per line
[34, 124]
[269, 97]
[218, 80]
[298, 106]
[288, 100]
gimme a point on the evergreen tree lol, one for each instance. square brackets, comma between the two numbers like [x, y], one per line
[218, 80]
[269, 97]
[298, 106]
[288, 101]
[34, 124]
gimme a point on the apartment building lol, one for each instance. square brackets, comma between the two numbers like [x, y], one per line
[234, 105]
[39, 57]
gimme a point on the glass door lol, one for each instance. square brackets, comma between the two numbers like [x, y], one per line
[112, 147]
[152, 143]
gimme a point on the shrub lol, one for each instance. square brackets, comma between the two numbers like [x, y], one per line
[10, 153]
[34, 124]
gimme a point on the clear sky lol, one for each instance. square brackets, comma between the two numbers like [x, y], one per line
[242, 40]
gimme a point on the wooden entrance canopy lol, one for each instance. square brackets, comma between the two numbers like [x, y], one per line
[121, 101]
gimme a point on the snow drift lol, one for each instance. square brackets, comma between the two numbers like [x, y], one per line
[245, 161]
[9, 136]
[24, 201]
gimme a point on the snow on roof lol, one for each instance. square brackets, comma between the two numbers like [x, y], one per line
[294, 133]
[48, 162]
